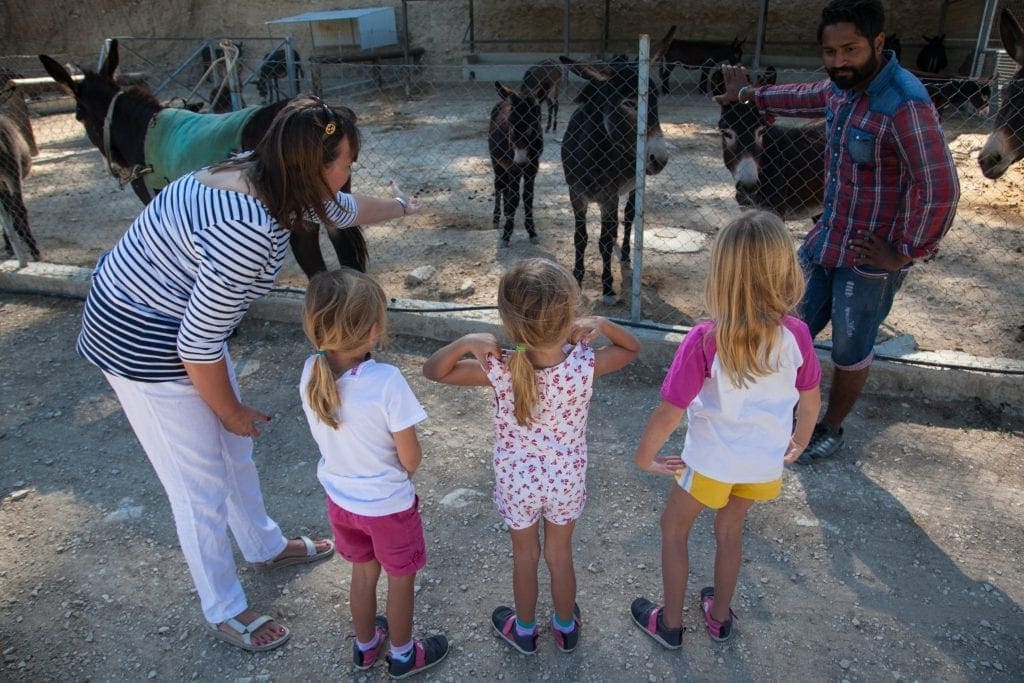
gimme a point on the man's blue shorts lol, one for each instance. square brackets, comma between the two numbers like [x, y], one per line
[855, 300]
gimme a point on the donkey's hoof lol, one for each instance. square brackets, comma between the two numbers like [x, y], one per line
[535, 239]
[505, 242]
[609, 299]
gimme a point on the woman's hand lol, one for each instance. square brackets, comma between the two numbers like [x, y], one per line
[411, 204]
[734, 78]
[242, 420]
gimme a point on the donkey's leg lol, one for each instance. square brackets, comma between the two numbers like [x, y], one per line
[350, 246]
[529, 178]
[19, 216]
[553, 112]
[511, 203]
[605, 245]
[579, 210]
[627, 226]
[305, 243]
[498, 193]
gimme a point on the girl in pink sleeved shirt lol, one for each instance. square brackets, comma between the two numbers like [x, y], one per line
[738, 378]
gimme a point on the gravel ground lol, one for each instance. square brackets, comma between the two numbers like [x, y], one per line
[900, 559]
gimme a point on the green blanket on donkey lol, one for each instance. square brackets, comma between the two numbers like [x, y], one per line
[179, 141]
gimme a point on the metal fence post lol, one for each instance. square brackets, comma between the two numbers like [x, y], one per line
[643, 78]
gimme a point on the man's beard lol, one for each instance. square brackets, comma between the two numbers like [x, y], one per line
[848, 78]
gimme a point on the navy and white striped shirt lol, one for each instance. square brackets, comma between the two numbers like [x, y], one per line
[180, 279]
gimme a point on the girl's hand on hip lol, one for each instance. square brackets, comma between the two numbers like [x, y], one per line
[481, 345]
[670, 465]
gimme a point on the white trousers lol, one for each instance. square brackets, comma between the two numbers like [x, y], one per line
[211, 482]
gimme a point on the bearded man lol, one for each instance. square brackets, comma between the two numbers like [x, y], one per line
[891, 191]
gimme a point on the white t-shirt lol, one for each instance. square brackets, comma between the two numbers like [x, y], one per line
[359, 467]
[740, 435]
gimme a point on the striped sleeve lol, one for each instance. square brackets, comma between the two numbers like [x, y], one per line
[234, 256]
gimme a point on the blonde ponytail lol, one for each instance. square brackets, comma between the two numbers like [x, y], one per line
[341, 310]
[537, 301]
[524, 385]
[323, 392]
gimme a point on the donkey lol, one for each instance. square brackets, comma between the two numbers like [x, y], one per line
[955, 92]
[273, 67]
[778, 168]
[932, 57]
[543, 81]
[515, 141]
[599, 153]
[1005, 145]
[126, 125]
[699, 54]
[15, 164]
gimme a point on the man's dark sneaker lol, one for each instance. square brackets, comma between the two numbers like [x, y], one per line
[648, 617]
[364, 660]
[824, 443]
[567, 642]
[503, 619]
[425, 654]
[719, 631]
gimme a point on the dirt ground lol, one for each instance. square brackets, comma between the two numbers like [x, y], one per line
[898, 560]
[967, 299]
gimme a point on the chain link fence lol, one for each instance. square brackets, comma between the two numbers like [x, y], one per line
[427, 127]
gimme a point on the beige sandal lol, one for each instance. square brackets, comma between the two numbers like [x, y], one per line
[243, 633]
[311, 555]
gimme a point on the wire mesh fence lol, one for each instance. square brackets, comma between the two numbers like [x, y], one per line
[430, 129]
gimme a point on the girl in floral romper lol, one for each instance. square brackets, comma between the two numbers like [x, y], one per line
[542, 389]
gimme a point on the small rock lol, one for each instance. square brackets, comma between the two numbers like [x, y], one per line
[419, 275]
[844, 663]
[19, 494]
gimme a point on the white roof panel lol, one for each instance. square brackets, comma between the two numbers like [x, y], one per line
[327, 15]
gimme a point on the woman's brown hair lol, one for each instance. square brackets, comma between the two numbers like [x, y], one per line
[342, 306]
[286, 169]
[537, 302]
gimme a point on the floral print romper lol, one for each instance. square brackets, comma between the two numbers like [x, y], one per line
[540, 469]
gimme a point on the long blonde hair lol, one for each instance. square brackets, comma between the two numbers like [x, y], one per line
[537, 302]
[342, 306]
[753, 281]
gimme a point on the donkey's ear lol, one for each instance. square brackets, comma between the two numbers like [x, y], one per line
[110, 62]
[595, 73]
[659, 49]
[58, 73]
[1010, 32]
[504, 92]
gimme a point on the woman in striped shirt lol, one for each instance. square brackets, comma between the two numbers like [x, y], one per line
[164, 301]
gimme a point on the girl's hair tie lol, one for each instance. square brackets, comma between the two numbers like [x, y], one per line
[321, 352]
[520, 348]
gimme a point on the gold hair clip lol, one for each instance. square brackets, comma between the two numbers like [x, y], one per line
[330, 128]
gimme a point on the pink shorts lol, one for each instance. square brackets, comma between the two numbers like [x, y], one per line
[395, 540]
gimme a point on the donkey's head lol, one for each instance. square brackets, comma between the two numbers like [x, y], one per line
[92, 92]
[520, 111]
[1005, 145]
[612, 92]
[742, 128]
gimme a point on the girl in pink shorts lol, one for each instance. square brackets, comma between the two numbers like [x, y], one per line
[363, 417]
[542, 389]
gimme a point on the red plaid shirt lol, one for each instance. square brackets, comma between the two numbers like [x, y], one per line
[888, 169]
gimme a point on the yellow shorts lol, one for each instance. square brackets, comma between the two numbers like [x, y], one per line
[715, 494]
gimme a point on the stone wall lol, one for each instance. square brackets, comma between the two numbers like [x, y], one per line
[60, 27]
